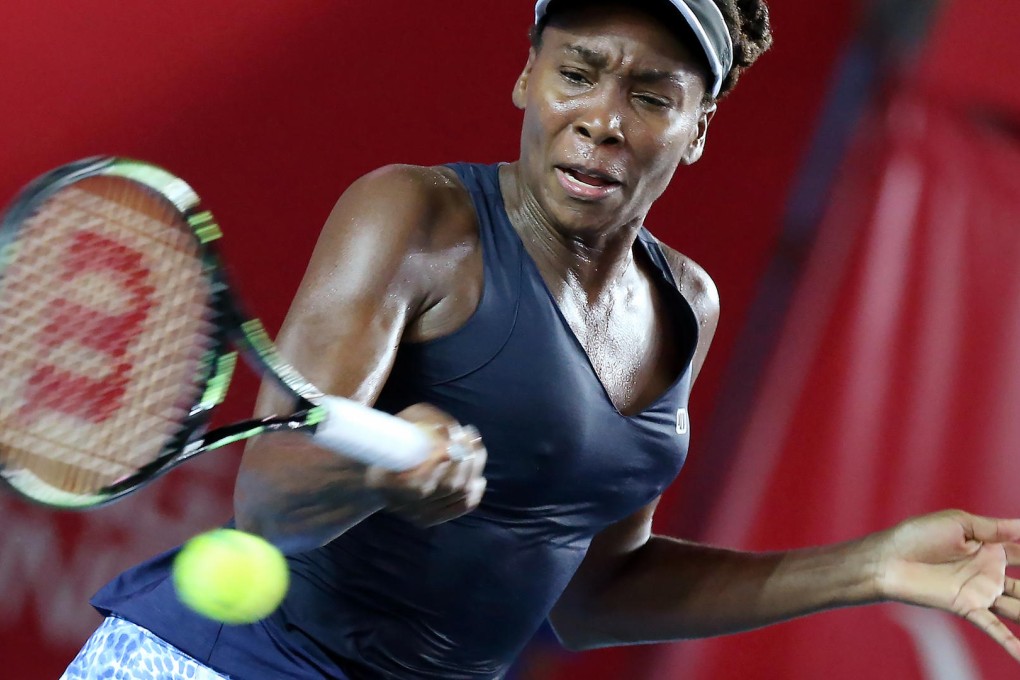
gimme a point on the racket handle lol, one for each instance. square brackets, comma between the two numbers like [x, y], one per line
[371, 436]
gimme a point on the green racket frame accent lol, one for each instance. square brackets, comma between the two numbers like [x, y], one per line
[215, 370]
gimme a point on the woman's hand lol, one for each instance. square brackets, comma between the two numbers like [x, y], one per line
[956, 562]
[447, 485]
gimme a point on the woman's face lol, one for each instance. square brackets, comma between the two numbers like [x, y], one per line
[613, 104]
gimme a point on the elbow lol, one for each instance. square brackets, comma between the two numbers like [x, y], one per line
[255, 519]
[575, 631]
[293, 514]
[256, 513]
[567, 635]
[247, 517]
[252, 516]
[265, 502]
[256, 497]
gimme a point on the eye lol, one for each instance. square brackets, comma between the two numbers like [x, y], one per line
[575, 77]
[654, 101]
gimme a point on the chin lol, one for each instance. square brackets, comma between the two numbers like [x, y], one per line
[590, 216]
[587, 218]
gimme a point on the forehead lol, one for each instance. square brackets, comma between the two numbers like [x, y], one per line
[624, 33]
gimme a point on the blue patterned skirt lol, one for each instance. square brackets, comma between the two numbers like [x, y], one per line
[120, 650]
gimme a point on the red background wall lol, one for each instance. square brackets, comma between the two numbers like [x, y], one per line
[270, 108]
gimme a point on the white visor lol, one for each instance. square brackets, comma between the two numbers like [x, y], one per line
[709, 26]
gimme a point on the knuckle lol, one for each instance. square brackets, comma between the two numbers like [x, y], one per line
[447, 488]
[423, 491]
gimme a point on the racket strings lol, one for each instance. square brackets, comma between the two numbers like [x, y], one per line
[104, 330]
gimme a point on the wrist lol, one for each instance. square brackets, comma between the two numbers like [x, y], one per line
[854, 572]
[874, 564]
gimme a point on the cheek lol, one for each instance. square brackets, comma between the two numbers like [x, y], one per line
[657, 181]
[664, 148]
[532, 129]
[661, 160]
[553, 114]
[544, 125]
[678, 134]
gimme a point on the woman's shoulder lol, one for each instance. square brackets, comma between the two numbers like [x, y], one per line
[423, 187]
[427, 203]
[694, 282]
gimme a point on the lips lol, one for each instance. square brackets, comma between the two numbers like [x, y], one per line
[586, 183]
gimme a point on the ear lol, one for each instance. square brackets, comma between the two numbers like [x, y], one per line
[697, 146]
[520, 94]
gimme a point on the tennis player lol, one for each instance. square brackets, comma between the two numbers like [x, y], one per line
[529, 300]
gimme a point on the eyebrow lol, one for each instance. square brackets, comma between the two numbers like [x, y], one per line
[597, 59]
[589, 56]
[652, 76]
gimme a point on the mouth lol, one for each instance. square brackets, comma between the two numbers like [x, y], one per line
[586, 183]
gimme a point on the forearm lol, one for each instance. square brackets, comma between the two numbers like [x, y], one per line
[298, 496]
[669, 589]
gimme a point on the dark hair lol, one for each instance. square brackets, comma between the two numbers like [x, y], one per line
[748, 21]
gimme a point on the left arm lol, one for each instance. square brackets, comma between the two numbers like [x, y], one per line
[637, 587]
[634, 587]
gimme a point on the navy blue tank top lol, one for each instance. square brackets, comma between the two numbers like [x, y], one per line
[460, 600]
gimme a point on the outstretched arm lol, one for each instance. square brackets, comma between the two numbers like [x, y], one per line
[634, 587]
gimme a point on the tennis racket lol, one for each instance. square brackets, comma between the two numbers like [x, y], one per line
[118, 332]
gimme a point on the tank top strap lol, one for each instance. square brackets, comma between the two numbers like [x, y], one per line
[501, 247]
[651, 246]
[690, 329]
[483, 335]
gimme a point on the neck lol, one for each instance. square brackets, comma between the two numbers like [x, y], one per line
[590, 260]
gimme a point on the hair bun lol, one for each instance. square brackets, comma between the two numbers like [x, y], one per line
[751, 32]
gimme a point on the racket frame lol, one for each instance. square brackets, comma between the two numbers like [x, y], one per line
[233, 327]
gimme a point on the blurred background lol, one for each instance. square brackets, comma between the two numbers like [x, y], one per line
[857, 207]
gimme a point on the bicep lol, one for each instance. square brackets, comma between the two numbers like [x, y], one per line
[607, 557]
[354, 301]
[341, 333]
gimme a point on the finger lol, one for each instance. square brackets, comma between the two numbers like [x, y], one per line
[436, 512]
[415, 507]
[456, 484]
[1007, 607]
[1011, 587]
[435, 480]
[415, 485]
[466, 441]
[426, 415]
[477, 463]
[988, 530]
[444, 494]
[442, 434]
[997, 630]
[476, 489]
[440, 426]
[1012, 554]
[448, 485]
[456, 478]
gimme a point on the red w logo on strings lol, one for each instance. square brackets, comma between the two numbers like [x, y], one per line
[94, 398]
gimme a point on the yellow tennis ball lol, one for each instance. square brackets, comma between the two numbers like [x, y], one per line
[231, 576]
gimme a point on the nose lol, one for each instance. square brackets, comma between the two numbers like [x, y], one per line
[601, 120]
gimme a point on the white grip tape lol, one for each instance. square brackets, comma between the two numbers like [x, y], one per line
[370, 436]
